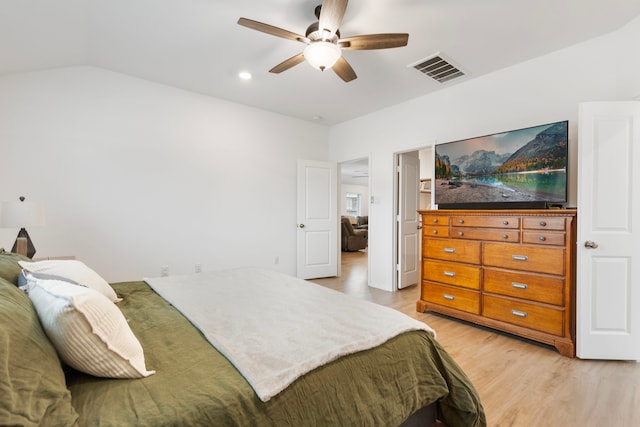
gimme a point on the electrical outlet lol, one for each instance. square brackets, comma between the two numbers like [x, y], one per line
[164, 271]
[198, 268]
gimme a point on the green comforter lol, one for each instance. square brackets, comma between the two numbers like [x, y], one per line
[197, 386]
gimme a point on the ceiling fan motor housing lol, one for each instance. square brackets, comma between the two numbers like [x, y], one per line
[314, 33]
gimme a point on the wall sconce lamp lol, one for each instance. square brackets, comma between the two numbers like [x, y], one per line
[22, 214]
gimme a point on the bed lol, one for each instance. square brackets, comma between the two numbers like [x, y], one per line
[407, 380]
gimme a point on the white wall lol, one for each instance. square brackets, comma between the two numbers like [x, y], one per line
[136, 175]
[542, 90]
[426, 163]
[628, 51]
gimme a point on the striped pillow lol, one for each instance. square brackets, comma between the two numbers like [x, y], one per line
[89, 332]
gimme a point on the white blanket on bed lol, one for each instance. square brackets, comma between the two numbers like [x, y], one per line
[275, 328]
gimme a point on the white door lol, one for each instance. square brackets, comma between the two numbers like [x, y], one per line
[408, 265]
[317, 217]
[608, 255]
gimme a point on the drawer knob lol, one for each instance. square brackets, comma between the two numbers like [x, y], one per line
[434, 232]
[519, 257]
[450, 250]
[519, 285]
[460, 233]
[461, 221]
[505, 236]
[505, 222]
[542, 238]
[543, 223]
[519, 313]
[435, 220]
[450, 273]
[449, 297]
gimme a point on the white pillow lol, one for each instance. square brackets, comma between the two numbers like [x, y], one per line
[89, 332]
[73, 270]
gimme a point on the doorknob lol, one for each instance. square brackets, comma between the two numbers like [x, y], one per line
[301, 225]
[419, 227]
[590, 245]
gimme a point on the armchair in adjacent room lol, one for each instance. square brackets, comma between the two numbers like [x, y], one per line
[352, 239]
[362, 222]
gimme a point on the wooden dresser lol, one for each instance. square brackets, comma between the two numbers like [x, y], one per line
[511, 270]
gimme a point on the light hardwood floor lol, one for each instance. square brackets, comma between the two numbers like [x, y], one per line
[520, 383]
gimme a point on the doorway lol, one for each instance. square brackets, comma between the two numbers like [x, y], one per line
[353, 204]
[412, 188]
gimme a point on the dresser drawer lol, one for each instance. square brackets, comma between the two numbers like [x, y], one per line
[458, 298]
[529, 258]
[452, 250]
[544, 289]
[544, 223]
[451, 273]
[530, 316]
[486, 221]
[492, 234]
[435, 231]
[435, 220]
[543, 238]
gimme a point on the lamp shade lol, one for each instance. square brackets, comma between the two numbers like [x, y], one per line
[20, 214]
[322, 55]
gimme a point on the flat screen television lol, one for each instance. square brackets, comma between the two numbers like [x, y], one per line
[519, 169]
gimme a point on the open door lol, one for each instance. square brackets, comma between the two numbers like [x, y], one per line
[608, 276]
[408, 266]
[317, 212]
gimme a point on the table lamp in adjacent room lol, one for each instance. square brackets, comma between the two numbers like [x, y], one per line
[22, 214]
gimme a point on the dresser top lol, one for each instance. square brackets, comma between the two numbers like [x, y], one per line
[503, 212]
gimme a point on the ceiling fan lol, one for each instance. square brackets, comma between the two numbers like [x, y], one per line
[324, 45]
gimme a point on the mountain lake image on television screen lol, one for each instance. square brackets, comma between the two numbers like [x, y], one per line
[524, 165]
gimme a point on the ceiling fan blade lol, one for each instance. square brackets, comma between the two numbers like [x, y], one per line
[374, 41]
[344, 70]
[270, 29]
[331, 14]
[285, 65]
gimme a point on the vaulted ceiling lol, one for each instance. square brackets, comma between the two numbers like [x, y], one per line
[197, 45]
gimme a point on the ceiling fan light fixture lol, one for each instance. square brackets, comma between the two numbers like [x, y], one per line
[322, 55]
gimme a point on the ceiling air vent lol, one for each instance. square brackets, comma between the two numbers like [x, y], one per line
[438, 68]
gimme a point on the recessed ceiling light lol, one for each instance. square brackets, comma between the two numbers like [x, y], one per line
[244, 75]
